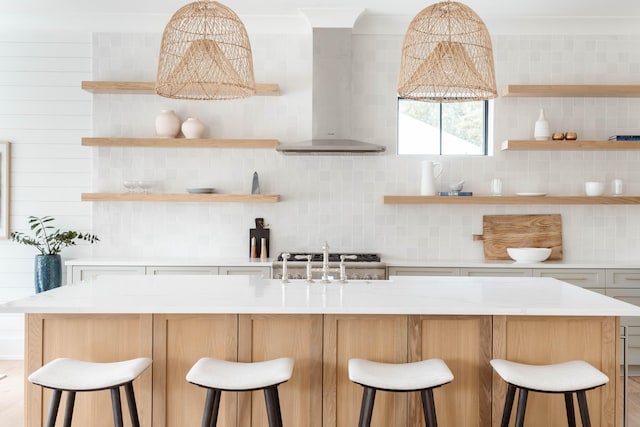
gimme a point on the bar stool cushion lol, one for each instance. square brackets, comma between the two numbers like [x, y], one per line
[557, 378]
[400, 376]
[238, 376]
[78, 375]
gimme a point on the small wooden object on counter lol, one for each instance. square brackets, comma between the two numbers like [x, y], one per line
[500, 232]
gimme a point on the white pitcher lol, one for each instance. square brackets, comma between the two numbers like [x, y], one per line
[430, 172]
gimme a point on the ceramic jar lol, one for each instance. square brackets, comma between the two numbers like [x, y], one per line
[167, 124]
[541, 130]
[192, 128]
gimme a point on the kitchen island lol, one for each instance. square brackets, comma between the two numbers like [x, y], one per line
[466, 321]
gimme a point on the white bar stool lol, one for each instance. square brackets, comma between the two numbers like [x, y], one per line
[421, 376]
[221, 375]
[79, 376]
[567, 378]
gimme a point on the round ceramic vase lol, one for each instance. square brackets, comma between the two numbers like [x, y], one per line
[192, 128]
[167, 124]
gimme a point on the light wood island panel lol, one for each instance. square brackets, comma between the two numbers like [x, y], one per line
[320, 393]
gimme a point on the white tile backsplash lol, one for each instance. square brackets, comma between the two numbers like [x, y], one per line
[340, 198]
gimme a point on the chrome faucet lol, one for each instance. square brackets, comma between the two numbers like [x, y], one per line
[325, 263]
[285, 274]
[309, 269]
[343, 270]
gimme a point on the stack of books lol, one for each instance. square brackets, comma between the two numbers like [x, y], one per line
[624, 138]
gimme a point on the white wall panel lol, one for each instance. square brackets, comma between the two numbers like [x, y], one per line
[43, 113]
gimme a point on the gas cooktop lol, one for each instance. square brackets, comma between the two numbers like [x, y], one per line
[333, 257]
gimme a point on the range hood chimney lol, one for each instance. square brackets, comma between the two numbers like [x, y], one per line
[331, 98]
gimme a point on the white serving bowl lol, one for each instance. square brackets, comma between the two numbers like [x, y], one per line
[529, 254]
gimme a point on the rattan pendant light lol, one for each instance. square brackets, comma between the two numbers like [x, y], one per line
[447, 56]
[205, 54]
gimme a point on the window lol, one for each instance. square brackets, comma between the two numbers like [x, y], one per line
[442, 129]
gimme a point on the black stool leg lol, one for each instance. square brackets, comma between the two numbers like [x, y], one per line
[508, 405]
[212, 403]
[522, 406]
[131, 403]
[584, 409]
[116, 406]
[68, 409]
[429, 408]
[571, 414]
[366, 410]
[53, 407]
[273, 406]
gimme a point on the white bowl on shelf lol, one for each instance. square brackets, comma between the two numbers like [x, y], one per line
[529, 254]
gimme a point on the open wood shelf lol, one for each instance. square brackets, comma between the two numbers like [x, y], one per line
[586, 90]
[512, 200]
[179, 142]
[569, 145]
[264, 89]
[180, 197]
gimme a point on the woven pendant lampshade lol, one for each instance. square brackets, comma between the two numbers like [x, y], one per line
[205, 54]
[447, 56]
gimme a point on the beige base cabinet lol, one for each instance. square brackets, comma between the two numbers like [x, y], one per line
[76, 274]
[319, 393]
[496, 272]
[423, 271]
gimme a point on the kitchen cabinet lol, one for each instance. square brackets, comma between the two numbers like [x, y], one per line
[264, 89]
[263, 272]
[496, 272]
[76, 273]
[512, 200]
[593, 279]
[423, 271]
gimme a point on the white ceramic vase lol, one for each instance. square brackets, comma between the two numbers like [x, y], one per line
[167, 124]
[430, 171]
[192, 128]
[541, 130]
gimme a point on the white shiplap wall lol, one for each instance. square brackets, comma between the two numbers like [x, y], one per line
[43, 113]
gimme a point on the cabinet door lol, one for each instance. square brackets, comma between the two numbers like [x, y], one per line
[590, 278]
[86, 272]
[423, 271]
[180, 340]
[96, 338]
[264, 272]
[544, 340]
[382, 338]
[464, 343]
[623, 278]
[497, 272]
[263, 337]
[166, 270]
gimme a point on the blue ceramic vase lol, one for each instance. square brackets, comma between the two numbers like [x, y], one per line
[48, 272]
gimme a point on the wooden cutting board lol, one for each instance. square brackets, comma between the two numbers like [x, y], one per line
[500, 232]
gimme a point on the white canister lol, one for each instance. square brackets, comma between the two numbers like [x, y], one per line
[541, 130]
[192, 128]
[167, 124]
[616, 187]
[496, 187]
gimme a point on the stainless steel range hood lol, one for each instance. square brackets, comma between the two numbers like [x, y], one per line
[331, 99]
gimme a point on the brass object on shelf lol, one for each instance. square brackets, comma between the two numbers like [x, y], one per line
[571, 136]
[557, 136]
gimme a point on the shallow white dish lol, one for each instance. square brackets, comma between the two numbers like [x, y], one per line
[531, 194]
[529, 254]
[200, 190]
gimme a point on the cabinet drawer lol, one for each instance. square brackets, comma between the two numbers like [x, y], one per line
[264, 272]
[497, 272]
[632, 296]
[584, 277]
[621, 278]
[167, 270]
[87, 272]
[423, 271]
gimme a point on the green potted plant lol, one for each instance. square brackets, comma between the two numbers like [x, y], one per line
[50, 241]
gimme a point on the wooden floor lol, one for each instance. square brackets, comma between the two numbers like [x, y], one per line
[12, 396]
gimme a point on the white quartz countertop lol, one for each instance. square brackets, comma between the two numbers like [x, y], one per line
[400, 295]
